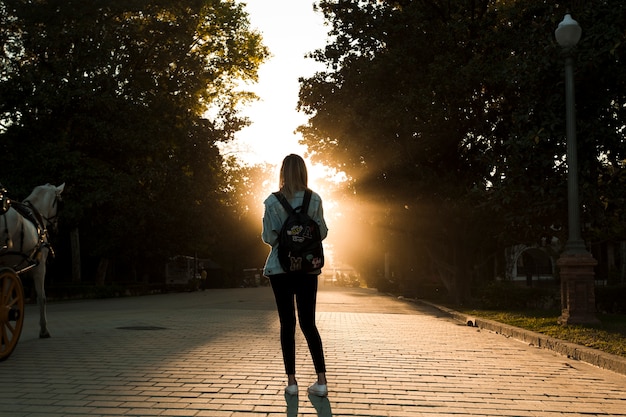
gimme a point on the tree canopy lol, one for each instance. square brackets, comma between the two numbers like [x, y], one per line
[450, 115]
[125, 101]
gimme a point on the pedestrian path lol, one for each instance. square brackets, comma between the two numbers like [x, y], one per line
[216, 353]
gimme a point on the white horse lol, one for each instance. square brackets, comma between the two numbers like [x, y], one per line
[24, 244]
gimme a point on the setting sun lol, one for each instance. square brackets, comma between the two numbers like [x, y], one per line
[274, 119]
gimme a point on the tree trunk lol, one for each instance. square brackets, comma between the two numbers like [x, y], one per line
[622, 267]
[76, 264]
[103, 266]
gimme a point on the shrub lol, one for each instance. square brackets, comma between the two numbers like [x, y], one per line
[506, 295]
[611, 299]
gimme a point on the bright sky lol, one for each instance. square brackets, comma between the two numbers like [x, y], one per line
[290, 29]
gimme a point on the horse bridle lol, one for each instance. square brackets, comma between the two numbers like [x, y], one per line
[53, 220]
[47, 221]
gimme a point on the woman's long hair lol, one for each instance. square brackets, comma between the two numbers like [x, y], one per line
[293, 175]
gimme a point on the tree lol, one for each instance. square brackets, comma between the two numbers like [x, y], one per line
[126, 101]
[450, 115]
[248, 186]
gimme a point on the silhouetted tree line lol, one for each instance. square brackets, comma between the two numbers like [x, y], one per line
[126, 102]
[449, 116]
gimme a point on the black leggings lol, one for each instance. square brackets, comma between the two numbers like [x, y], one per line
[304, 288]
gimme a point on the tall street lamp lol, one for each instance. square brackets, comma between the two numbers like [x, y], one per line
[576, 263]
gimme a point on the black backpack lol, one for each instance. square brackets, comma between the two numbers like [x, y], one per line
[299, 242]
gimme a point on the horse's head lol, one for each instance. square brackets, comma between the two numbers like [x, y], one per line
[46, 198]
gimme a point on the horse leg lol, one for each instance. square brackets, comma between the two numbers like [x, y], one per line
[39, 275]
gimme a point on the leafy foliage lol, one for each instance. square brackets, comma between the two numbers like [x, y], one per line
[125, 102]
[450, 116]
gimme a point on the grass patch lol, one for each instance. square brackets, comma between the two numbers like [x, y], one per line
[608, 336]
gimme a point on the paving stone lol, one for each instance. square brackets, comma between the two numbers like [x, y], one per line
[217, 353]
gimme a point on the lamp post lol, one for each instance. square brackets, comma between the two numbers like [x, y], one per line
[576, 263]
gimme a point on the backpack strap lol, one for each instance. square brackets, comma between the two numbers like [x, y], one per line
[305, 203]
[307, 199]
[283, 201]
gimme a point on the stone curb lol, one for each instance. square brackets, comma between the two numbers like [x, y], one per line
[585, 354]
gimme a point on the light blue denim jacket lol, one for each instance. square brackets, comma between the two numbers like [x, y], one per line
[273, 219]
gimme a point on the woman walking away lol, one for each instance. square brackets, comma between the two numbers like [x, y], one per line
[290, 285]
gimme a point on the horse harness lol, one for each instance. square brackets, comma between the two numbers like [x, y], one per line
[5, 202]
[30, 213]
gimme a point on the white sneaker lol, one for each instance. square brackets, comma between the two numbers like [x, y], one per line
[318, 390]
[292, 389]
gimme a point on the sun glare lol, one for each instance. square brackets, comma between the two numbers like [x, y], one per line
[321, 175]
[274, 118]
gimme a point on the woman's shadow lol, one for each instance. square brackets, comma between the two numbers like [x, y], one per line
[321, 405]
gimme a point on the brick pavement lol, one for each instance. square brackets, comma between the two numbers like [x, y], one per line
[216, 353]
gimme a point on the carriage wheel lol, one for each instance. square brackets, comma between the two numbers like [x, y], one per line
[11, 311]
